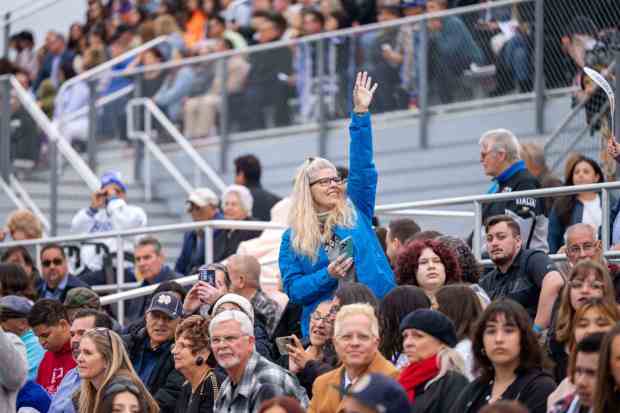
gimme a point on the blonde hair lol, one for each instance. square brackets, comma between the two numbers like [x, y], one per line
[303, 219]
[448, 359]
[111, 347]
[353, 310]
[166, 25]
[25, 221]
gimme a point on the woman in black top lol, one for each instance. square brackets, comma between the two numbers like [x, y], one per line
[509, 360]
[191, 352]
[607, 395]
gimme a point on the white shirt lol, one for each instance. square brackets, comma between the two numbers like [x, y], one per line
[592, 213]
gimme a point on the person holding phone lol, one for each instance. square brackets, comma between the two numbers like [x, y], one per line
[313, 257]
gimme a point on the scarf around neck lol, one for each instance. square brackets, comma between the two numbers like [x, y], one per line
[418, 373]
[506, 175]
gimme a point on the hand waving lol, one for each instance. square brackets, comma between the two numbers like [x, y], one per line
[363, 92]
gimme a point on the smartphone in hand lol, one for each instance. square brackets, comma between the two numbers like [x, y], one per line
[282, 342]
[207, 275]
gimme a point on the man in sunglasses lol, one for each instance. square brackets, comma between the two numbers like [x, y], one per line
[56, 281]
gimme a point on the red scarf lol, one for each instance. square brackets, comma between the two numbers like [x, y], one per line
[417, 373]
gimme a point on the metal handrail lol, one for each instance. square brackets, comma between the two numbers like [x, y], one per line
[51, 130]
[6, 188]
[199, 162]
[152, 148]
[104, 67]
[428, 213]
[321, 36]
[101, 102]
[35, 8]
[31, 205]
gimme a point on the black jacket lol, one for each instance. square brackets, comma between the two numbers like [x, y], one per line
[440, 396]
[263, 202]
[206, 394]
[226, 242]
[532, 388]
[165, 383]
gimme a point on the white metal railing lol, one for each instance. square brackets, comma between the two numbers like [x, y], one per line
[10, 193]
[105, 67]
[479, 200]
[152, 110]
[26, 11]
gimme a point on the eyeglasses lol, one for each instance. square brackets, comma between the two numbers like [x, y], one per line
[579, 284]
[587, 247]
[329, 318]
[225, 340]
[325, 182]
[56, 261]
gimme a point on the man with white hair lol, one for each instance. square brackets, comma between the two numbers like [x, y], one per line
[501, 160]
[237, 204]
[252, 379]
[202, 205]
[356, 340]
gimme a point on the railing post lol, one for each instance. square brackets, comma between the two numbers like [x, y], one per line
[5, 130]
[477, 239]
[224, 116]
[605, 224]
[423, 92]
[617, 114]
[92, 125]
[139, 123]
[148, 174]
[7, 34]
[209, 244]
[120, 276]
[322, 112]
[539, 79]
[53, 154]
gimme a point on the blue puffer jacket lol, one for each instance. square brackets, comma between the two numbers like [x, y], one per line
[309, 284]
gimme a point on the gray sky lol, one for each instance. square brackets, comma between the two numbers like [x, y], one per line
[58, 16]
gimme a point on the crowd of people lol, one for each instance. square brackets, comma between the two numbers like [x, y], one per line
[353, 318]
[283, 83]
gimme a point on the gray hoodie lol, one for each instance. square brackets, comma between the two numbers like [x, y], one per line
[14, 370]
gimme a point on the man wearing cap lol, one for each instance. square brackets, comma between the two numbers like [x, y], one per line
[80, 298]
[85, 319]
[374, 393]
[202, 205]
[108, 211]
[149, 350]
[14, 312]
[252, 379]
[356, 340]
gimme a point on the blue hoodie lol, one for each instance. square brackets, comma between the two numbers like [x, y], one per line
[308, 283]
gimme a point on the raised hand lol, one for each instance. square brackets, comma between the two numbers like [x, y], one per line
[363, 92]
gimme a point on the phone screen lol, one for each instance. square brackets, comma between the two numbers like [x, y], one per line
[346, 247]
[207, 275]
[282, 342]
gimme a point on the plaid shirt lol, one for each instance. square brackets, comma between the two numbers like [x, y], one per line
[262, 380]
[267, 309]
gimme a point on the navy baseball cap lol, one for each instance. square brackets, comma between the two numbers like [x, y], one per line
[168, 303]
[113, 177]
[380, 393]
[412, 3]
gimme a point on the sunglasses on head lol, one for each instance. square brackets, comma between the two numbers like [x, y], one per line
[56, 261]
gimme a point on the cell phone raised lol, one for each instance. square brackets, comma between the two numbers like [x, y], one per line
[207, 275]
[282, 342]
[346, 247]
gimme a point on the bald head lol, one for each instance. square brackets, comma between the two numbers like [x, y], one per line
[244, 273]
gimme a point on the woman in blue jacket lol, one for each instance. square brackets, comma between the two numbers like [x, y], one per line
[331, 239]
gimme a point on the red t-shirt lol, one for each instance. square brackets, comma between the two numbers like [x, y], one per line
[54, 366]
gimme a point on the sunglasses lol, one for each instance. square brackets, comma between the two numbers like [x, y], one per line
[56, 261]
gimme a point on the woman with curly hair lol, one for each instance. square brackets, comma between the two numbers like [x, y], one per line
[583, 207]
[428, 264]
[191, 351]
